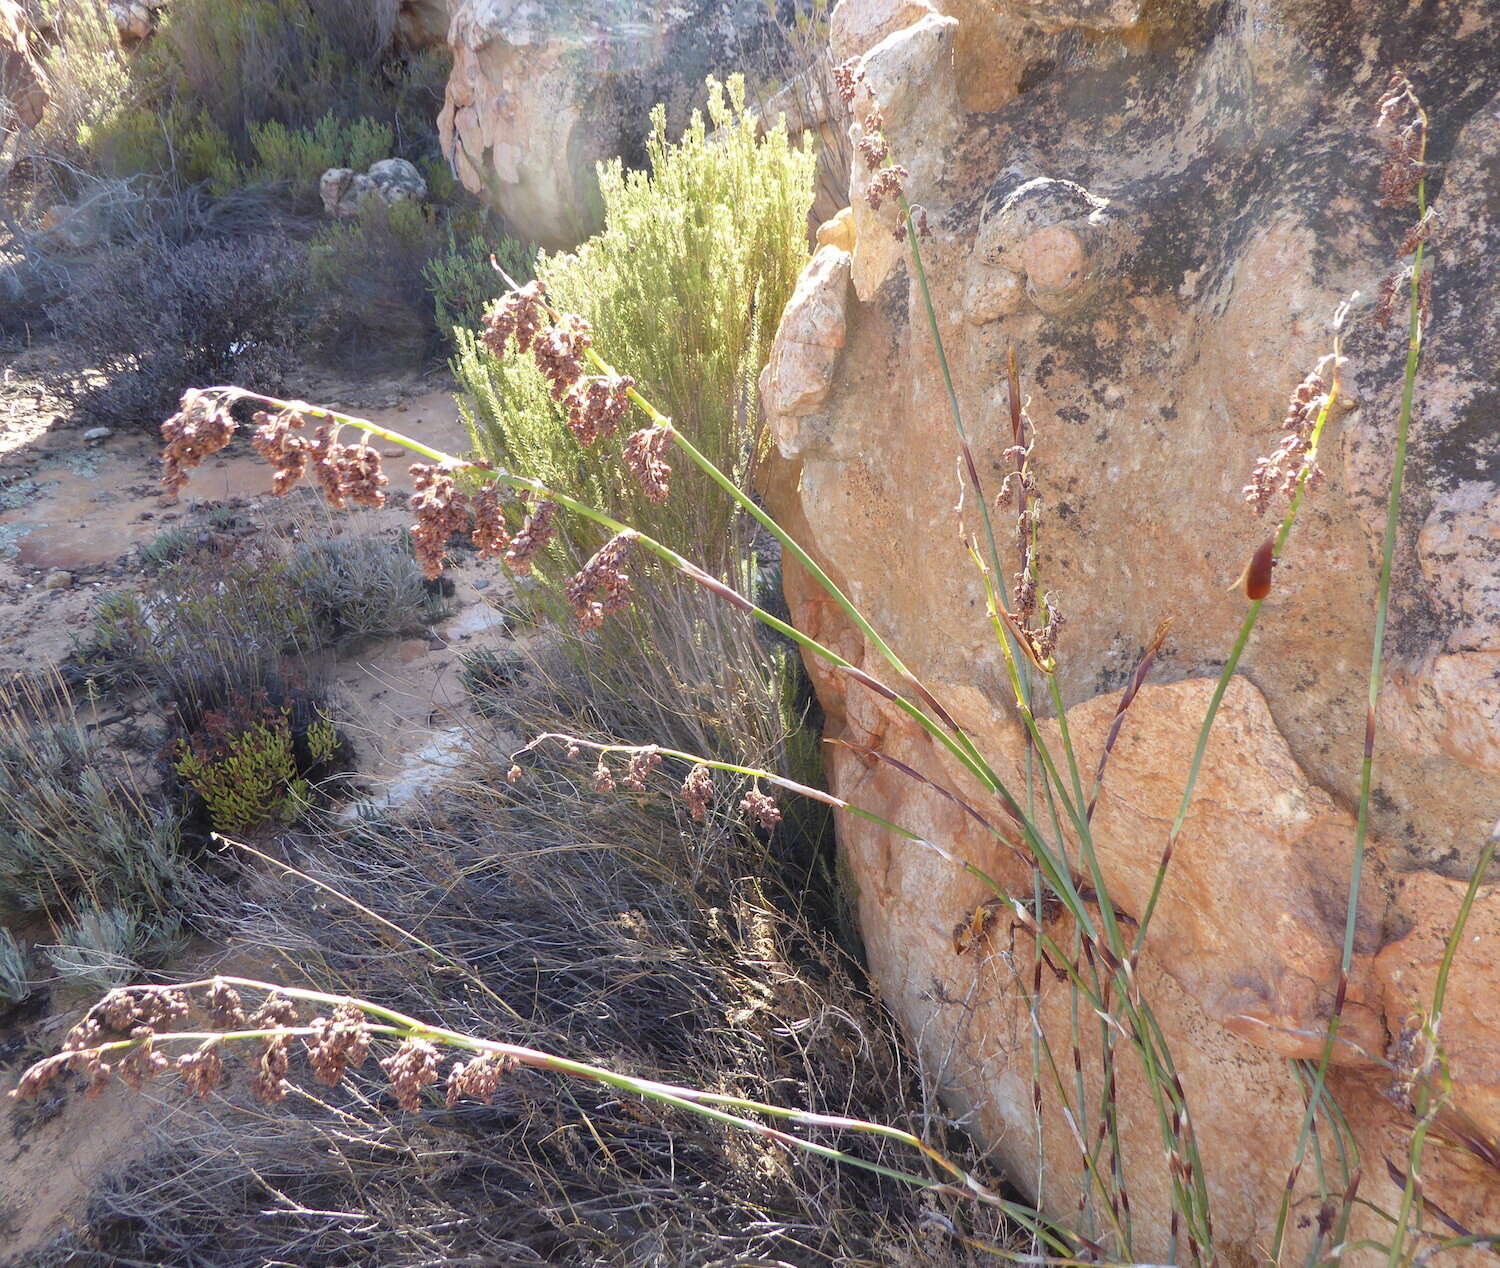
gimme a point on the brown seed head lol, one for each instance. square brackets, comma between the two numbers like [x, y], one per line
[441, 510]
[201, 427]
[1402, 132]
[412, 1067]
[642, 456]
[516, 316]
[142, 1063]
[558, 352]
[491, 537]
[847, 76]
[887, 183]
[202, 1071]
[39, 1076]
[597, 405]
[269, 1081]
[642, 762]
[761, 808]
[698, 792]
[338, 1043]
[224, 1005]
[602, 586]
[540, 527]
[280, 442]
[477, 1079]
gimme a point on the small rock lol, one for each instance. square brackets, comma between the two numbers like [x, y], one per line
[99, 433]
[482, 584]
[436, 644]
[57, 580]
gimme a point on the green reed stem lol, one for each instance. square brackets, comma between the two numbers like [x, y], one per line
[1426, 1109]
[1367, 763]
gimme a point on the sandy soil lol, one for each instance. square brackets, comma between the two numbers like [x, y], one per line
[72, 517]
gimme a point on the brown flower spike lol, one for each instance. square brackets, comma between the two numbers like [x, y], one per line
[642, 457]
[698, 792]
[517, 316]
[201, 427]
[602, 586]
[412, 1067]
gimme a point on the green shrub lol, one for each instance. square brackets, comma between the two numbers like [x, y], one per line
[297, 157]
[464, 282]
[243, 762]
[130, 139]
[299, 64]
[683, 287]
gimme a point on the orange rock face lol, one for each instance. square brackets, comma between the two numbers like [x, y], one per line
[1159, 213]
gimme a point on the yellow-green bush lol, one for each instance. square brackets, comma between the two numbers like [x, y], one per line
[684, 287]
[243, 763]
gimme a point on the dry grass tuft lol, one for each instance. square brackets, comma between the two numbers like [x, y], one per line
[604, 928]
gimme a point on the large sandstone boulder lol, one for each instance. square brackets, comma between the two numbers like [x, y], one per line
[1159, 207]
[541, 92]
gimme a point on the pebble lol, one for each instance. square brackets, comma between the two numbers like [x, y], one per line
[99, 433]
[57, 580]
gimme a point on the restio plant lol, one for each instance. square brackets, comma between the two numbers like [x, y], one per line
[1068, 915]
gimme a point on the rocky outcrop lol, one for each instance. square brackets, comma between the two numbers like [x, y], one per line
[1158, 207]
[394, 180]
[540, 93]
[23, 89]
[134, 20]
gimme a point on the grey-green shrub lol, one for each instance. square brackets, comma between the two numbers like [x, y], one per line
[683, 287]
[357, 586]
[464, 282]
[15, 972]
[106, 945]
[71, 836]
